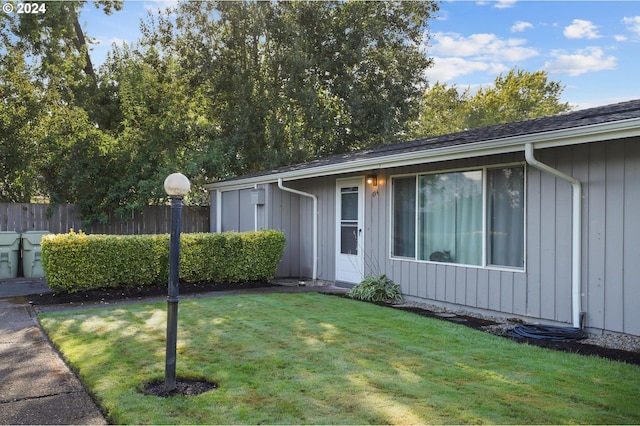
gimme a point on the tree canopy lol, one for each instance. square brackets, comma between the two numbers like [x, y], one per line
[290, 81]
[518, 95]
[217, 89]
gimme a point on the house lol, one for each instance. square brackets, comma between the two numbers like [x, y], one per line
[538, 219]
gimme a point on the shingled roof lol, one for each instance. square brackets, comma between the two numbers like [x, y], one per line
[585, 118]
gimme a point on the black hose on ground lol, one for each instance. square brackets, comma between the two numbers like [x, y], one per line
[548, 332]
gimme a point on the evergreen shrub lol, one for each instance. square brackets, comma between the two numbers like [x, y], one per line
[77, 262]
[376, 289]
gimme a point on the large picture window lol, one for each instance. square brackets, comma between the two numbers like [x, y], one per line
[473, 217]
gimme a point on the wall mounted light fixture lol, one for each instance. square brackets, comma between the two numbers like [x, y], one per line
[372, 180]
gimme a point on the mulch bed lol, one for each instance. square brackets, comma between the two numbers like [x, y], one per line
[572, 347]
[183, 387]
[114, 294]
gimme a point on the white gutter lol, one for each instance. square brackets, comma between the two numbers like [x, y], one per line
[576, 232]
[315, 224]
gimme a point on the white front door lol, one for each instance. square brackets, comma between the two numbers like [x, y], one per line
[349, 230]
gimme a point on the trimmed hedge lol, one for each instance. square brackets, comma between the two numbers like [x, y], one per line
[77, 262]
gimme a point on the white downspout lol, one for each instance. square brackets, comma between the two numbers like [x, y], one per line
[315, 224]
[576, 232]
[218, 211]
[255, 212]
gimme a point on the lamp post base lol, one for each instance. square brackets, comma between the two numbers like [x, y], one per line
[172, 340]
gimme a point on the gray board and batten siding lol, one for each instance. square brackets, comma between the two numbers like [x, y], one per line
[608, 166]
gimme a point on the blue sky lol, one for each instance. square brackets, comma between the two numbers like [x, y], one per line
[591, 47]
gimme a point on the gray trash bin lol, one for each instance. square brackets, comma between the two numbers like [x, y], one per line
[9, 254]
[32, 254]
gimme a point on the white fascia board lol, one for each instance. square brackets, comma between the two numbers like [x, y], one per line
[557, 138]
[587, 134]
[237, 184]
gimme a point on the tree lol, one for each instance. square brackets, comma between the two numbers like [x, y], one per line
[442, 111]
[292, 81]
[50, 110]
[519, 95]
[20, 112]
[213, 89]
[164, 128]
[59, 47]
[75, 162]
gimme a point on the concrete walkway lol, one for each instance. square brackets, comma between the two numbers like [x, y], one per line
[36, 386]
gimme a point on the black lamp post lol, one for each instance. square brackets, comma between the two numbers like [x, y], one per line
[176, 186]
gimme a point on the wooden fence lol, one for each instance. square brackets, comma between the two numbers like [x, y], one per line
[60, 219]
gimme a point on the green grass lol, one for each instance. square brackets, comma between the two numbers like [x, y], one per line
[315, 359]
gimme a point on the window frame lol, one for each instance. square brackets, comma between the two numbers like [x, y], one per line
[485, 207]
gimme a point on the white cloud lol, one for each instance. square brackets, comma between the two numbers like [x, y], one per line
[581, 29]
[486, 47]
[633, 23]
[110, 42]
[160, 5]
[520, 26]
[619, 37]
[442, 15]
[447, 69]
[504, 4]
[582, 61]
[498, 4]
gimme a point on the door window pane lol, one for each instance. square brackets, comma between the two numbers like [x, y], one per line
[349, 204]
[349, 238]
[505, 217]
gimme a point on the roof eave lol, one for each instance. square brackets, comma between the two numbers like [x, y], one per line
[556, 138]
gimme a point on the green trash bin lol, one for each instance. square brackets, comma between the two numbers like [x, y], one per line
[9, 254]
[32, 254]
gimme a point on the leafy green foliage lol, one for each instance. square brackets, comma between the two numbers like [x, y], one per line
[291, 81]
[212, 89]
[442, 111]
[218, 89]
[518, 95]
[75, 261]
[55, 108]
[231, 256]
[20, 111]
[376, 289]
[76, 163]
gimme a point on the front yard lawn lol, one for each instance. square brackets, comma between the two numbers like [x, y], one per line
[316, 359]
